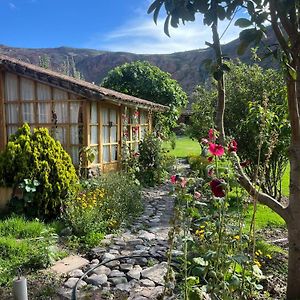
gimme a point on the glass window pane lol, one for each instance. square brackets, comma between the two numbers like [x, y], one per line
[59, 134]
[11, 87]
[43, 92]
[11, 130]
[60, 95]
[44, 113]
[113, 134]
[74, 134]
[94, 135]
[94, 113]
[27, 89]
[105, 153]
[114, 152]
[105, 116]
[12, 113]
[28, 113]
[61, 110]
[75, 112]
[113, 116]
[75, 155]
[144, 117]
[105, 132]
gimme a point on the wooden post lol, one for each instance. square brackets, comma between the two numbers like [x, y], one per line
[3, 137]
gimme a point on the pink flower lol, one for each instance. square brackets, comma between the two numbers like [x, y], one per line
[216, 149]
[232, 147]
[183, 182]
[217, 188]
[211, 135]
[204, 141]
[136, 154]
[197, 195]
[210, 158]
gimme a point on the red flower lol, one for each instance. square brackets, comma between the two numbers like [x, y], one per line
[211, 135]
[173, 179]
[210, 158]
[217, 188]
[216, 149]
[232, 147]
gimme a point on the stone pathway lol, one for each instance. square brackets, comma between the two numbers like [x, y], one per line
[133, 278]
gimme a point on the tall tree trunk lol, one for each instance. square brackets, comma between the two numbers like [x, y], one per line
[293, 286]
[293, 220]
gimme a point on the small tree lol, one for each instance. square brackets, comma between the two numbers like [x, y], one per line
[143, 80]
[37, 157]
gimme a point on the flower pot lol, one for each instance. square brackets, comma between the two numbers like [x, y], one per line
[5, 196]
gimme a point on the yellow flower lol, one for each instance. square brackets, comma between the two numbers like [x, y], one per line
[257, 263]
[268, 256]
[237, 237]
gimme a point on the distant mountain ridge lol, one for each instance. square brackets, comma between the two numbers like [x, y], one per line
[95, 64]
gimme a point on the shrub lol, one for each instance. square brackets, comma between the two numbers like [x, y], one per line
[104, 204]
[38, 157]
[199, 164]
[152, 160]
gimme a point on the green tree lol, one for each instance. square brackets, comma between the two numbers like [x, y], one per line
[204, 99]
[260, 95]
[284, 16]
[143, 80]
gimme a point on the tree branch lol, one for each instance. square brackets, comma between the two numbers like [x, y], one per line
[277, 30]
[261, 197]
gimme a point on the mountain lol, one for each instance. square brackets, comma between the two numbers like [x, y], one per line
[94, 64]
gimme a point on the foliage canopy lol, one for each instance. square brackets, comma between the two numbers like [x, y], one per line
[143, 80]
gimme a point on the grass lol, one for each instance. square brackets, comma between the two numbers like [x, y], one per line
[264, 217]
[25, 245]
[184, 147]
[286, 182]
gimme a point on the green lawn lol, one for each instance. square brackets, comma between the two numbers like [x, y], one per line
[286, 181]
[184, 147]
[264, 217]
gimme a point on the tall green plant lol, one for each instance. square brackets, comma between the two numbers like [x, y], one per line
[37, 156]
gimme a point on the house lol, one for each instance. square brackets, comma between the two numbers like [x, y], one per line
[77, 113]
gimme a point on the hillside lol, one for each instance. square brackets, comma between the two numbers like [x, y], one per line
[94, 64]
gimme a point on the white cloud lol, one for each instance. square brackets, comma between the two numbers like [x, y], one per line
[143, 36]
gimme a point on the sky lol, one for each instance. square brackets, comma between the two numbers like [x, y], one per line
[112, 25]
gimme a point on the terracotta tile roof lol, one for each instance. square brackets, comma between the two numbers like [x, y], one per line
[77, 86]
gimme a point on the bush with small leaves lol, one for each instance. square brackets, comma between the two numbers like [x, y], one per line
[38, 157]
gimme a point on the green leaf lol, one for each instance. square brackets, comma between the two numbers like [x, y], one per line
[221, 12]
[243, 23]
[154, 5]
[166, 25]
